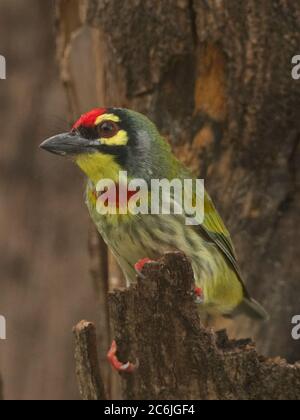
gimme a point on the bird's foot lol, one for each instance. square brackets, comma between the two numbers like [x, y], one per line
[116, 364]
[140, 265]
[198, 293]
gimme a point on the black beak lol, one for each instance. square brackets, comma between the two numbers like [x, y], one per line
[69, 144]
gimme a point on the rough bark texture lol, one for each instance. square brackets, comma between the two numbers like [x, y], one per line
[216, 78]
[157, 322]
[87, 363]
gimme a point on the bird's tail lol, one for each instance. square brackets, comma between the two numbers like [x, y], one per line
[252, 309]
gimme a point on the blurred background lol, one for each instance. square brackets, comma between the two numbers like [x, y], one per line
[44, 270]
[216, 78]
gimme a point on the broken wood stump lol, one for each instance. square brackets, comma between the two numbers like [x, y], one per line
[156, 321]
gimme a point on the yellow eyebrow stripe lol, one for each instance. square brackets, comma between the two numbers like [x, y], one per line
[107, 117]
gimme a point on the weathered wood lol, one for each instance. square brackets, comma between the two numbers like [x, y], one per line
[157, 322]
[90, 382]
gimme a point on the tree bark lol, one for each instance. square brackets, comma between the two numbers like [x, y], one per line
[157, 322]
[87, 363]
[216, 78]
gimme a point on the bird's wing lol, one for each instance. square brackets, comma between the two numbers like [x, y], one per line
[213, 228]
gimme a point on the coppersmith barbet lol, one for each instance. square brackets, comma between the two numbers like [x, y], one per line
[104, 142]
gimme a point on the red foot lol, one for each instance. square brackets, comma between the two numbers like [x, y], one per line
[199, 294]
[140, 264]
[116, 364]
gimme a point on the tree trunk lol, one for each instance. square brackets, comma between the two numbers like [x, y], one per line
[216, 78]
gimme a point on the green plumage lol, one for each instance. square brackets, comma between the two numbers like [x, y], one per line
[104, 142]
[208, 246]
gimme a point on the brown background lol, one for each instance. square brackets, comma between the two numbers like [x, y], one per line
[44, 281]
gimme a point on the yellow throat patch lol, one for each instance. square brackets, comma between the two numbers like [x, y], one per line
[99, 166]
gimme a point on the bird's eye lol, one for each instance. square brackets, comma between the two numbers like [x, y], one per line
[108, 129]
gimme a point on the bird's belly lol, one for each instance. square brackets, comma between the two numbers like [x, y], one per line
[137, 237]
[132, 238]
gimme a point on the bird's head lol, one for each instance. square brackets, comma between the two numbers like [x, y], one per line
[104, 142]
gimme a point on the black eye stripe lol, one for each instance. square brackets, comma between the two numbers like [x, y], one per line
[88, 132]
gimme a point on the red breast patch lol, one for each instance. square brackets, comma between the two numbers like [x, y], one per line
[88, 119]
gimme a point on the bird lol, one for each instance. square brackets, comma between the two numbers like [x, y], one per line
[105, 142]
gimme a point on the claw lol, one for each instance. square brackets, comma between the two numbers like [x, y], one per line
[140, 264]
[116, 364]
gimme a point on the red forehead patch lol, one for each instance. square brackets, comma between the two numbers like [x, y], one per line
[88, 119]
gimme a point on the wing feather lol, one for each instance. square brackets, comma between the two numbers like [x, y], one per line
[213, 228]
